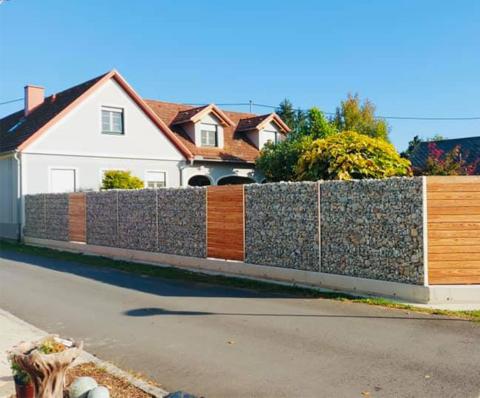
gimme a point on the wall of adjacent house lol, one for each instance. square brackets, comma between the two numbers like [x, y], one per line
[371, 229]
[216, 171]
[8, 198]
[143, 147]
[89, 170]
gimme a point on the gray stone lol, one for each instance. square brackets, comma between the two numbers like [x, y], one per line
[102, 218]
[137, 219]
[281, 225]
[182, 221]
[373, 229]
[56, 216]
[35, 216]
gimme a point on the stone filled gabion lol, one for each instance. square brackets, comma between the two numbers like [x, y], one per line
[373, 229]
[281, 225]
[102, 218]
[137, 219]
[56, 217]
[35, 216]
[182, 221]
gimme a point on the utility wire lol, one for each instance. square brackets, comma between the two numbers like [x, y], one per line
[250, 104]
[333, 113]
[9, 102]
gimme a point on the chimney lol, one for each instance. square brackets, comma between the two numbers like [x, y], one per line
[34, 96]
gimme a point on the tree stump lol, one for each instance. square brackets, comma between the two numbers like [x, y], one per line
[47, 371]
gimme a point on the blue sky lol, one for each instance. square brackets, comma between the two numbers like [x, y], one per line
[411, 58]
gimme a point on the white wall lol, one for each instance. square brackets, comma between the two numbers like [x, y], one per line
[8, 197]
[216, 171]
[268, 133]
[89, 170]
[208, 119]
[259, 139]
[77, 142]
[79, 132]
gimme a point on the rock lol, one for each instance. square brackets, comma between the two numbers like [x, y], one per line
[99, 392]
[81, 386]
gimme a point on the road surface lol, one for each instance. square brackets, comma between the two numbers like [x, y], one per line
[223, 342]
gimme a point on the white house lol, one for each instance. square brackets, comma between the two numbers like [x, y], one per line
[65, 142]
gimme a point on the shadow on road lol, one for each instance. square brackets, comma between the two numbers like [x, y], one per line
[144, 312]
[154, 285]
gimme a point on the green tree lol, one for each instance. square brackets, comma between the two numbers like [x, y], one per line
[352, 115]
[278, 161]
[350, 155]
[294, 118]
[317, 125]
[120, 179]
[412, 144]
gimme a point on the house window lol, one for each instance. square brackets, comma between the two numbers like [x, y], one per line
[209, 135]
[155, 179]
[112, 120]
[273, 136]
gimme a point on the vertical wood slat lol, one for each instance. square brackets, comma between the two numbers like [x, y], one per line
[225, 222]
[453, 205]
[77, 220]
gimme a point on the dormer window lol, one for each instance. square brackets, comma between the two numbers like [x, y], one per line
[112, 120]
[272, 136]
[209, 135]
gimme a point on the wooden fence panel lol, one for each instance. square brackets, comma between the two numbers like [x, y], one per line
[453, 216]
[77, 222]
[225, 222]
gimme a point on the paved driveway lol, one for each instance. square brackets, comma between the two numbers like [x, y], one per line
[220, 342]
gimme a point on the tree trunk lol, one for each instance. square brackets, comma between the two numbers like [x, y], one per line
[47, 371]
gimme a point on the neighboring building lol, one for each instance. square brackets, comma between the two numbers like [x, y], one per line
[469, 149]
[65, 142]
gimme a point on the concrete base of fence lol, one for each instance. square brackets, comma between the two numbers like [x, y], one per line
[361, 286]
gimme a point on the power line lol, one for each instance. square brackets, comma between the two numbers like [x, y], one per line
[251, 103]
[9, 102]
[378, 117]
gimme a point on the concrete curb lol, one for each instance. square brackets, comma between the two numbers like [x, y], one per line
[7, 390]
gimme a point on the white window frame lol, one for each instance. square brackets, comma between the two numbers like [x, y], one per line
[75, 169]
[112, 109]
[209, 128]
[276, 135]
[146, 180]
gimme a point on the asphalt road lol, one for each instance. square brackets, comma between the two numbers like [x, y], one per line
[220, 342]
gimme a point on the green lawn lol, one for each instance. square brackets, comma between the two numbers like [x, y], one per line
[199, 277]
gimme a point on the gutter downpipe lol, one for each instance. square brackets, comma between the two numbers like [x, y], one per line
[18, 159]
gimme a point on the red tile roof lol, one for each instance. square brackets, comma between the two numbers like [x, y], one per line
[29, 125]
[236, 145]
[16, 129]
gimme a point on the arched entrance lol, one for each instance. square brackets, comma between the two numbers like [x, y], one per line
[235, 180]
[199, 181]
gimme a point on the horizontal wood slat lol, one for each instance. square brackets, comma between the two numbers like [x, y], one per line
[225, 222]
[77, 223]
[475, 242]
[460, 210]
[452, 257]
[451, 233]
[457, 226]
[450, 195]
[453, 212]
[452, 203]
